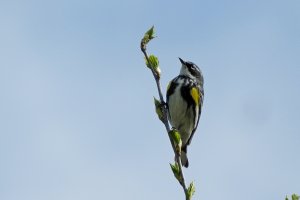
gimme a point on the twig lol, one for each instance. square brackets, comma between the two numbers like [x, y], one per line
[165, 121]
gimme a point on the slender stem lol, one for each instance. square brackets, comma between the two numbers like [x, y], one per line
[182, 175]
[165, 121]
[162, 101]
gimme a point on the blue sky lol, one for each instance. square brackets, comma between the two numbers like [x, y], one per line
[77, 119]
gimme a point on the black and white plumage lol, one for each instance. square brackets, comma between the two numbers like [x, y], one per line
[184, 100]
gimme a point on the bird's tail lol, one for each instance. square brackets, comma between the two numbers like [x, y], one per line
[184, 159]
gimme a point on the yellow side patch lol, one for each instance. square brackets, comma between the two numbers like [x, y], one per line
[195, 94]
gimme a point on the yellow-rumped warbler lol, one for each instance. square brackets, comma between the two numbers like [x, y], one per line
[184, 100]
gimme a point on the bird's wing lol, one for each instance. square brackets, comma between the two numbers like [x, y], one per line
[200, 94]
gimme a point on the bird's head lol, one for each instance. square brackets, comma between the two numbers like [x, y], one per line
[191, 70]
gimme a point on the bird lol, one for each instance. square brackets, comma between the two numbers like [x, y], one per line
[185, 95]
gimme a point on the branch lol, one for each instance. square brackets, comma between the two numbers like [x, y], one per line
[162, 111]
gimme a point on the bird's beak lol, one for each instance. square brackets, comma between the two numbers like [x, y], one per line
[182, 61]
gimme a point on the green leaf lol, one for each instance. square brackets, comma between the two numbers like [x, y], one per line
[295, 197]
[149, 35]
[153, 64]
[191, 190]
[176, 171]
[175, 135]
[158, 108]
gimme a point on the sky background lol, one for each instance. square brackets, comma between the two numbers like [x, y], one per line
[77, 119]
